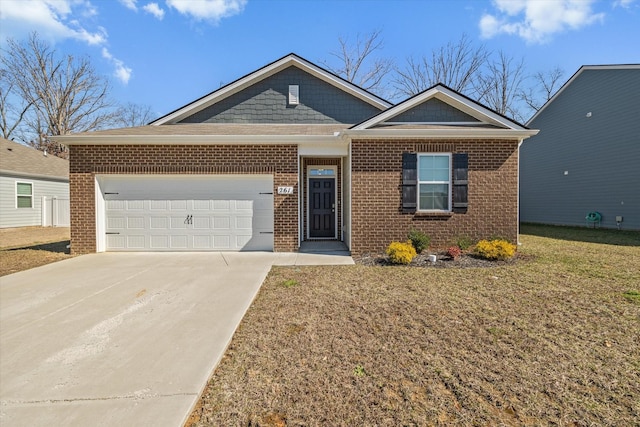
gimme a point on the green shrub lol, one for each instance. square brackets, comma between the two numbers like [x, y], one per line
[495, 249]
[464, 242]
[401, 253]
[419, 240]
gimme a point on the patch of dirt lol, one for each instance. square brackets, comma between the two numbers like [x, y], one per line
[30, 236]
[29, 247]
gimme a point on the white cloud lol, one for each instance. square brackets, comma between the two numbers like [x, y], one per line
[209, 10]
[623, 3]
[154, 10]
[56, 20]
[537, 20]
[129, 4]
[122, 72]
[49, 18]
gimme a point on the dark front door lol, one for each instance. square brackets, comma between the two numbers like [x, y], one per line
[322, 207]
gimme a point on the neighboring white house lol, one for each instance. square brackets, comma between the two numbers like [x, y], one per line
[34, 187]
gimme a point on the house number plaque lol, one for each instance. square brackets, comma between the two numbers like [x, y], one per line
[285, 190]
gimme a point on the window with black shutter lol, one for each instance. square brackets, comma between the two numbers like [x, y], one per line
[409, 181]
[460, 181]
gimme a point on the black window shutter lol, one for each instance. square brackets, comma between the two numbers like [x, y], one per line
[460, 181]
[409, 181]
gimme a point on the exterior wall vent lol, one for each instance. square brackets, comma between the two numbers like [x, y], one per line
[294, 94]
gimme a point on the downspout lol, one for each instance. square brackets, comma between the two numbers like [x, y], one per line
[300, 189]
[518, 200]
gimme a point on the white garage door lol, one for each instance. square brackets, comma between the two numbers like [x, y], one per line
[188, 213]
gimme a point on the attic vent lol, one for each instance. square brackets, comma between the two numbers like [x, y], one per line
[294, 94]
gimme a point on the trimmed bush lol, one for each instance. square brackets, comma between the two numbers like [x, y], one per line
[419, 240]
[495, 249]
[401, 253]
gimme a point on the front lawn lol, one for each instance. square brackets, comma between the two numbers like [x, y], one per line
[553, 339]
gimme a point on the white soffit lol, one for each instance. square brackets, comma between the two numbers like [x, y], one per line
[263, 73]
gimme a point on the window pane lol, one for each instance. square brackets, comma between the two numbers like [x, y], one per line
[433, 168]
[321, 172]
[24, 188]
[441, 162]
[440, 175]
[434, 196]
[24, 202]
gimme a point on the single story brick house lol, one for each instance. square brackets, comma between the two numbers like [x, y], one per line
[291, 153]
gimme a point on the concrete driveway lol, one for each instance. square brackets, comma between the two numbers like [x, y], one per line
[119, 339]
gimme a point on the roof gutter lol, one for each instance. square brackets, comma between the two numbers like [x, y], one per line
[439, 133]
[69, 140]
[34, 175]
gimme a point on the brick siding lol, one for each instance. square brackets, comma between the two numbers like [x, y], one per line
[376, 177]
[87, 161]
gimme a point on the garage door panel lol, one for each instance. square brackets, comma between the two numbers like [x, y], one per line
[115, 205]
[116, 223]
[221, 222]
[200, 222]
[116, 242]
[134, 205]
[178, 205]
[184, 213]
[243, 223]
[159, 241]
[136, 241]
[159, 223]
[135, 222]
[160, 205]
[202, 242]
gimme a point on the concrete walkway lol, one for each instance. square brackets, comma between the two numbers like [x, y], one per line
[119, 339]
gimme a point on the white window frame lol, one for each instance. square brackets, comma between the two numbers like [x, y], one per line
[25, 195]
[448, 182]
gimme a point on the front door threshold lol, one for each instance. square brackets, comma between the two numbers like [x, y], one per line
[329, 247]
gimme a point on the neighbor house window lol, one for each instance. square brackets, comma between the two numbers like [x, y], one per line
[24, 195]
[434, 182]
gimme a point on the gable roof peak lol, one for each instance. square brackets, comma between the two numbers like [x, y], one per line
[291, 59]
[449, 96]
[583, 68]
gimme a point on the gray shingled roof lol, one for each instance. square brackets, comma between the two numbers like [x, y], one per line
[27, 161]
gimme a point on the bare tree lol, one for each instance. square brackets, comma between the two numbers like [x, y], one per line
[12, 107]
[457, 65]
[545, 85]
[500, 86]
[65, 94]
[357, 62]
[130, 115]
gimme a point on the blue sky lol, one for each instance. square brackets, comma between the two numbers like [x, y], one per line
[166, 53]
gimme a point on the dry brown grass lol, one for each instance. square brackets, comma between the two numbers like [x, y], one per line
[547, 341]
[30, 247]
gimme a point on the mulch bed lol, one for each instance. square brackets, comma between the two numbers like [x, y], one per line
[465, 260]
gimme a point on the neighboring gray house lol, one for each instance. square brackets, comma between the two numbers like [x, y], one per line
[586, 157]
[34, 187]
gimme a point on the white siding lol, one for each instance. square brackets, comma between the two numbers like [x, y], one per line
[10, 216]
